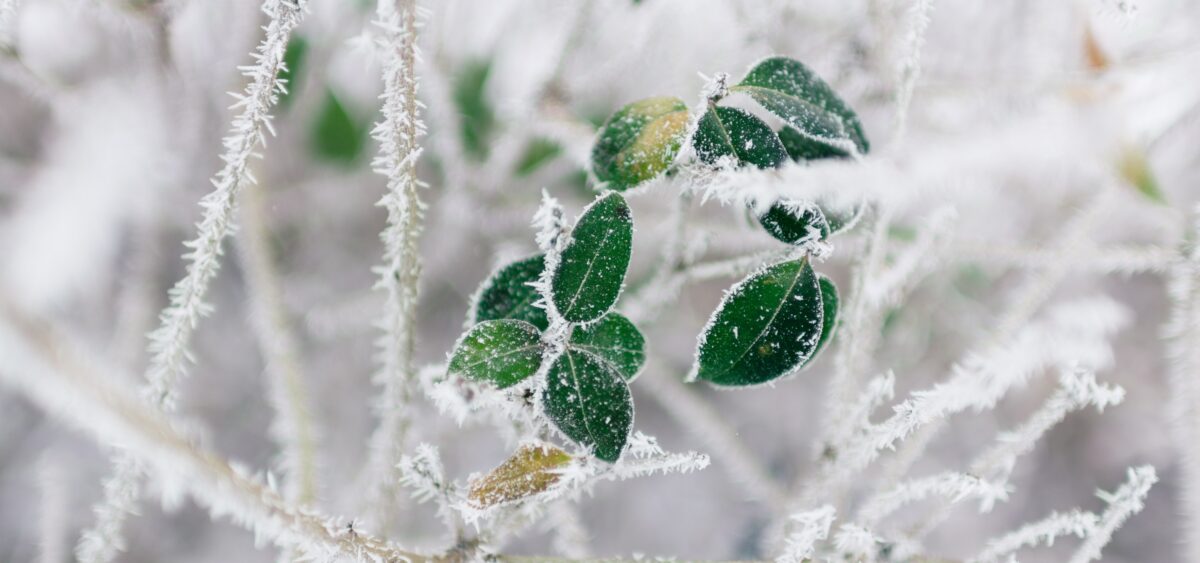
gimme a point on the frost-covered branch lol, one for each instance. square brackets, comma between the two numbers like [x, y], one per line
[170, 341]
[910, 66]
[1122, 259]
[1077, 333]
[1095, 530]
[59, 377]
[292, 427]
[1078, 390]
[1183, 334]
[953, 486]
[398, 135]
[1045, 531]
[811, 527]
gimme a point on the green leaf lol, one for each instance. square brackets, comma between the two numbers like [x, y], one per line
[537, 153]
[765, 327]
[639, 142]
[788, 89]
[531, 470]
[508, 295]
[803, 149]
[293, 68]
[337, 135]
[615, 340]
[477, 120]
[736, 134]
[829, 314]
[589, 401]
[503, 352]
[592, 267]
[794, 222]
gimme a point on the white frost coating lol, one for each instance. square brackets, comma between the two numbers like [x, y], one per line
[856, 542]
[1079, 389]
[1183, 352]
[1095, 530]
[1045, 531]
[423, 473]
[811, 527]
[169, 343]
[1074, 332]
[910, 66]
[104, 540]
[954, 486]
[79, 388]
[398, 135]
[1122, 503]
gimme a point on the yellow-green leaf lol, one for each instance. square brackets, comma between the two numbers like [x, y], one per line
[531, 470]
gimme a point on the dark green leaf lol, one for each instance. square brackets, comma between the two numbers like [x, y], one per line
[591, 271]
[802, 148]
[829, 314]
[508, 295]
[537, 153]
[766, 326]
[293, 68]
[615, 340]
[337, 135]
[590, 403]
[503, 352]
[738, 135]
[788, 89]
[477, 120]
[639, 142]
[794, 222]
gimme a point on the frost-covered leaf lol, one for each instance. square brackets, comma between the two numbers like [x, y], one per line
[591, 271]
[615, 340]
[803, 149]
[766, 326]
[830, 306]
[531, 470]
[508, 295]
[794, 222]
[503, 352]
[589, 401]
[639, 142]
[732, 133]
[477, 119]
[788, 89]
[337, 135]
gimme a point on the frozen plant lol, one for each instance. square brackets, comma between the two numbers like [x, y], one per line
[541, 281]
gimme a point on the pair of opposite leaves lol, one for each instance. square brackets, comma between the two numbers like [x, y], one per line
[586, 389]
[640, 142]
